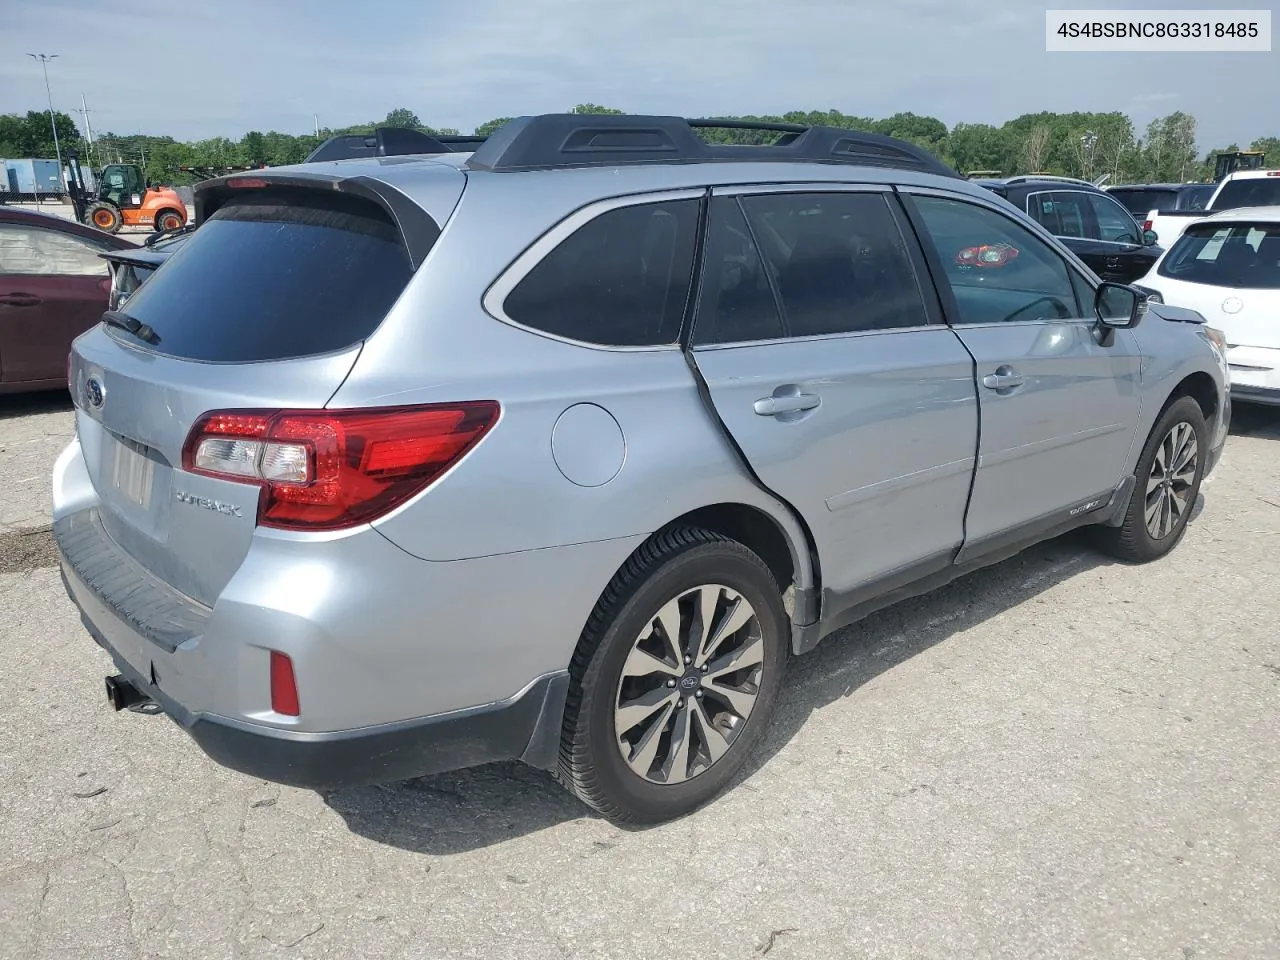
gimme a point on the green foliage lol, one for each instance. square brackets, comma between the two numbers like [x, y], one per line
[1074, 144]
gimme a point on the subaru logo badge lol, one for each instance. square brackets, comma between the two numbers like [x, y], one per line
[95, 393]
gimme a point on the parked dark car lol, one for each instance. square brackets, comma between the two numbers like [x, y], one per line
[1141, 198]
[54, 286]
[1093, 225]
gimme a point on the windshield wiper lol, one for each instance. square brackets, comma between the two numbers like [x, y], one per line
[118, 318]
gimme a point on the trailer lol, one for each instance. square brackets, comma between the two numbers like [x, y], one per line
[31, 178]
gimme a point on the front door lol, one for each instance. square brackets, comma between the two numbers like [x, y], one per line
[828, 370]
[1059, 409]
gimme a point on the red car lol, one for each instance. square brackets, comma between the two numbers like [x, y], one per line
[54, 286]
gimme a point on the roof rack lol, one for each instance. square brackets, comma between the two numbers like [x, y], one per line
[1025, 177]
[561, 140]
[390, 142]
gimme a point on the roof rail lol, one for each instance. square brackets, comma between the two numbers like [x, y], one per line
[389, 142]
[1024, 177]
[560, 140]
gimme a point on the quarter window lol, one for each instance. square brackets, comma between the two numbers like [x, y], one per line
[622, 279]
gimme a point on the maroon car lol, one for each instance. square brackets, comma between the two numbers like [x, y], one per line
[53, 286]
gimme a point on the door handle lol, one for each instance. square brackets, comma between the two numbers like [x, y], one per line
[787, 403]
[19, 300]
[1005, 378]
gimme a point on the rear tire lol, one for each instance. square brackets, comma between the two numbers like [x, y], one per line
[105, 216]
[654, 729]
[1169, 473]
[167, 220]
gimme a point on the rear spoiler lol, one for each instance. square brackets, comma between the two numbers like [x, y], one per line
[391, 142]
[140, 258]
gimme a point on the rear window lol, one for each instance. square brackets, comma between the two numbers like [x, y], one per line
[1243, 255]
[274, 276]
[1251, 192]
[1142, 202]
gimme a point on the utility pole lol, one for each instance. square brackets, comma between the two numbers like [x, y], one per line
[84, 112]
[316, 118]
[44, 59]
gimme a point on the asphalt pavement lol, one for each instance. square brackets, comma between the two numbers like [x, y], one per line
[1056, 757]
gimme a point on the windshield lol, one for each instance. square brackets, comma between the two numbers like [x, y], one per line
[273, 278]
[1249, 192]
[1241, 255]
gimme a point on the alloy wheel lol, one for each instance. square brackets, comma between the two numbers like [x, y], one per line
[1173, 473]
[689, 684]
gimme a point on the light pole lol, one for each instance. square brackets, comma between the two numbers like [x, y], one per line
[1090, 140]
[44, 59]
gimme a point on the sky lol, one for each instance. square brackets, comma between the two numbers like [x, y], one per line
[216, 69]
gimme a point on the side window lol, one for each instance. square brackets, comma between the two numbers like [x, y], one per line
[838, 260]
[38, 251]
[735, 302]
[1114, 222]
[998, 270]
[622, 279]
[1075, 216]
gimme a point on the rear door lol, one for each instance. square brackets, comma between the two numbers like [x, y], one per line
[1124, 257]
[265, 307]
[826, 364]
[53, 287]
[1059, 410]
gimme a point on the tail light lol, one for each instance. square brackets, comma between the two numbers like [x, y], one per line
[333, 469]
[987, 255]
[1146, 225]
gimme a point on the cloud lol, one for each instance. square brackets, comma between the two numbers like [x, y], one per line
[216, 70]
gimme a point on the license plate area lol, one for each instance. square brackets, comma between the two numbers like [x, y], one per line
[133, 473]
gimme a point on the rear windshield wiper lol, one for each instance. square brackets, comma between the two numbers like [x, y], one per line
[118, 318]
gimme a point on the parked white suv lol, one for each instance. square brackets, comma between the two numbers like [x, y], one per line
[1226, 266]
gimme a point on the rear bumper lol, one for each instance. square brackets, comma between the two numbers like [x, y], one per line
[525, 727]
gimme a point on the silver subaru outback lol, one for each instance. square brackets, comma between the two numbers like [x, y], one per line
[560, 449]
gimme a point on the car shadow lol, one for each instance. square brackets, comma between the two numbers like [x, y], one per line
[27, 404]
[472, 809]
[1255, 420]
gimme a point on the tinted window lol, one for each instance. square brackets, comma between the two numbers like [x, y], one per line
[1140, 201]
[735, 302]
[1114, 222]
[1195, 198]
[38, 251]
[1236, 255]
[1253, 192]
[1064, 214]
[997, 269]
[622, 279]
[838, 260]
[269, 278]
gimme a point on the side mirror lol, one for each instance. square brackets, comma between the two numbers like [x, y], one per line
[1119, 306]
[1149, 238]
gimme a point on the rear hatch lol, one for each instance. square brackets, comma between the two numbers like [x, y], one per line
[264, 308]
[1229, 272]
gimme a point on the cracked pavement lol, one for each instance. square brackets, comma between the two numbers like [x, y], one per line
[1056, 757]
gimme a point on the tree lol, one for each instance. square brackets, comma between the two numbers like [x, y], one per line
[1270, 146]
[489, 126]
[402, 117]
[1035, 148]
[254, 148]
[589, 108]
[977, 146]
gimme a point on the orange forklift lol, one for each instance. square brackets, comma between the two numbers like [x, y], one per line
[124, 199]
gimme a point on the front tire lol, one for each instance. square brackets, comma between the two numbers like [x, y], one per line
[1169, 473]
[104, 216]
[675, 678]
